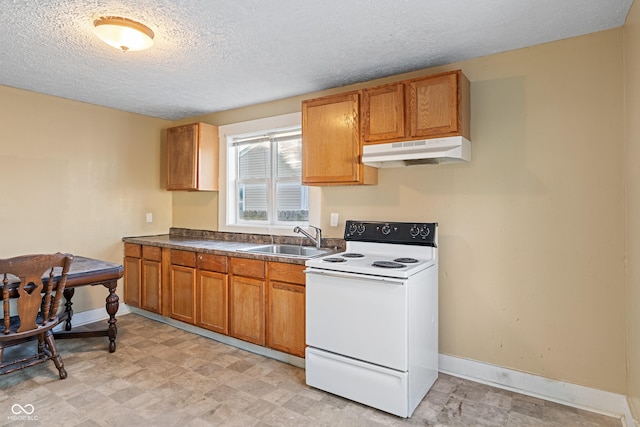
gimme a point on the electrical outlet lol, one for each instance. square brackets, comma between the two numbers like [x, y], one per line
[149, 217]
[334, 219]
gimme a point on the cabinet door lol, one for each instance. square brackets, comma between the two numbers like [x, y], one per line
[151, 282]
[183, 287]
[331, 149]
[192, 157]
[212, 302]
[182, 157]
[383, 113]
[247, 309]
[132, 281]
[433, 106]
[286, 318]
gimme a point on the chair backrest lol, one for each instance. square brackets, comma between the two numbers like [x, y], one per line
[38, 293]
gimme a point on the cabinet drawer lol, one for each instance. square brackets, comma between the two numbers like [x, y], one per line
[289, 273]
[185, 258]
[210, 262]
[152, 253]
[247, 267]
[132, 250]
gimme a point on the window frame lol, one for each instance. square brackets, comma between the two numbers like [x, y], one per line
[225, 218]
[271, 181]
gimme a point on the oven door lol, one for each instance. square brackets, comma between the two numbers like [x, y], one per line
[358, 316]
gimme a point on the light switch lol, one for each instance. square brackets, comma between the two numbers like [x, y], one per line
[149, 217]
[334, 219]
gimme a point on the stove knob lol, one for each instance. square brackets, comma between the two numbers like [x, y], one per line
[352, 228]
[425, 231]
[414, 231]
[386, 229]
[361, 228]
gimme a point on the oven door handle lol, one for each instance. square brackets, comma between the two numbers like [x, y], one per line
[353, 276]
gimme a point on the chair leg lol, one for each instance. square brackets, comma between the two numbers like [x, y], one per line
[41, 346]
[55, 356]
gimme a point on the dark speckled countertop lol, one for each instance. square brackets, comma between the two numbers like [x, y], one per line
[229, 244]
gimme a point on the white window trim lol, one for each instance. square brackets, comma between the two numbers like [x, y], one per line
[286, 120]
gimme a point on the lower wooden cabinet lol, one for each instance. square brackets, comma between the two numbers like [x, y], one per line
[182, 278]
[247, 309]
[248, 299]
[286, 308]
[212, 293]
[183, 286]
[285, 317]
[212, 301]
[151, 276]
[132, 278]
[143, 276]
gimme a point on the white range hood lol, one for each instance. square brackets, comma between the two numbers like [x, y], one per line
[421, 152]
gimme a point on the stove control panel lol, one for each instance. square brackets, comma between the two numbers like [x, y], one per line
[408, 233]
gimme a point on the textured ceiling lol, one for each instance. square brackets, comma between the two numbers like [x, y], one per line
[213, 55]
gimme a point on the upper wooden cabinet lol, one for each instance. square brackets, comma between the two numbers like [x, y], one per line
[192, 157]
[331, 146]
[426, 107]
[383, 113]
[439, 105]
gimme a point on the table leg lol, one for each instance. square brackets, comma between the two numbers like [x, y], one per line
[112, 305]
[68, 311]
[112, 308]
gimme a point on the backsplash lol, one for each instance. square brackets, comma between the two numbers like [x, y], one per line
[339, 244]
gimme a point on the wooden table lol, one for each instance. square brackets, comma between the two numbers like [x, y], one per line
[88, 272]
[92, 272]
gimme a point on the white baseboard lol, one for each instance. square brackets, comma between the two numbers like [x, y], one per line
[91, 316]
[574, 395]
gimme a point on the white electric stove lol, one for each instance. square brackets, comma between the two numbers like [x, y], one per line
[372, 316]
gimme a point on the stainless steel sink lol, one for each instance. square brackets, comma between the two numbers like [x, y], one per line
[289, 250]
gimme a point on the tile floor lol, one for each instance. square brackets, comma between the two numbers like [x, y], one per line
[163, 376]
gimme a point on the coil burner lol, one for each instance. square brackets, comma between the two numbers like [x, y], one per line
[387, 264]
[406, 260]
[332, 259]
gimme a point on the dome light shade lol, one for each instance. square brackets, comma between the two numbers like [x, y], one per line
[123, 33]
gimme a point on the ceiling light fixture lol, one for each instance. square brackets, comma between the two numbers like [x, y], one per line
[123, 33]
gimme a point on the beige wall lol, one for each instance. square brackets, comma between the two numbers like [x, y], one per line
[532, 233]
[77, 178]
[632, 93]
[197, 210]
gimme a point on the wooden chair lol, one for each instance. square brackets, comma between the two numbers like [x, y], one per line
[29, 285]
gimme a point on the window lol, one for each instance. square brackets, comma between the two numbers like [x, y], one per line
[264, 172]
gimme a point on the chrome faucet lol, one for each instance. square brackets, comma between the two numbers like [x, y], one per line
[317, 240]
